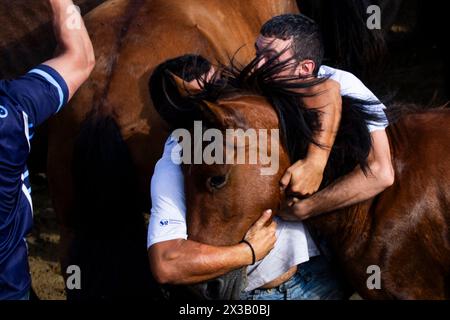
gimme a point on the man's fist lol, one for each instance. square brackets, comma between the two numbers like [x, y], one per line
[302, 178]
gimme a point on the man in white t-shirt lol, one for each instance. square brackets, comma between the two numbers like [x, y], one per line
[296, 37]
[167, 230]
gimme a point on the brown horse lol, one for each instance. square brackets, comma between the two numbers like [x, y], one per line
[26, 39]
[26, 36]
[405, 231]
[100, 203]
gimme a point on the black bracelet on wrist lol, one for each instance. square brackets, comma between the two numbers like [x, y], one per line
[251, 248]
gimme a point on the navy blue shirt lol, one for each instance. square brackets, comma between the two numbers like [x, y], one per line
[25, 103]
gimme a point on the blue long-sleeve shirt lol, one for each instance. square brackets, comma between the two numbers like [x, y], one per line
[25, 103]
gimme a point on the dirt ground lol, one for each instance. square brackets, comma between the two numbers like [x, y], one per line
[43, 242]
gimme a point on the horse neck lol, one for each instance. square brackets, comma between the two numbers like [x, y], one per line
[266, 9]
[346, 230]
[279, 7]
[26, 35]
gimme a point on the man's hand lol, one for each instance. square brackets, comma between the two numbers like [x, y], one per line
[294, 209]
[302, 178]
[75, 59]
[262, 235]
[348, 190]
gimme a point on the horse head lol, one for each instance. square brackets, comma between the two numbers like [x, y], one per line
[224, 199]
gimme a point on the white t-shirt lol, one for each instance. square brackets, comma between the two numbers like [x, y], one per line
[353, 87]
[294, 244]
[168, 214]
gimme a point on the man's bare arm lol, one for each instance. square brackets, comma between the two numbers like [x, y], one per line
[186, 262]
[305, 176]
[352, 188]
[75, 57]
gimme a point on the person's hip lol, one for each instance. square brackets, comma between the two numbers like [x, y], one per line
[314, 280]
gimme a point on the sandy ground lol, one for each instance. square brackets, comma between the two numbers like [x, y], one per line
[43, 245]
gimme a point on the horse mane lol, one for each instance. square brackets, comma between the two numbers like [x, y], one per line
[298, 124]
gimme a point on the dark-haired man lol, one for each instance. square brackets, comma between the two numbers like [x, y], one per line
[296, 41]
[25, 103]
[297, 38]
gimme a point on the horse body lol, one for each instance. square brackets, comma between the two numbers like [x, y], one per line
[26, 39]
[405, 230]
[26, 36]
[131, 38]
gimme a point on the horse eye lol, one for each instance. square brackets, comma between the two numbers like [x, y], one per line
[217, 182]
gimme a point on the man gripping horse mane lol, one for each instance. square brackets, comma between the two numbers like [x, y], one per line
[297, 38]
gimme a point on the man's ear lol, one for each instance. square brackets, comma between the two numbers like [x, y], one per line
[185, 88]
[306, 68]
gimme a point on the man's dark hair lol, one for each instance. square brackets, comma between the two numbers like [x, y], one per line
[162, 85]
[306, 36]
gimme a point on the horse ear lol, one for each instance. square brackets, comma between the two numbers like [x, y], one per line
[185, 88]
[214, 114]
[222, 116]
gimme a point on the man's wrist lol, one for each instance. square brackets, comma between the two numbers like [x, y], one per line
[317, 157]
[246, 254]
[308, 207]
[251, 249]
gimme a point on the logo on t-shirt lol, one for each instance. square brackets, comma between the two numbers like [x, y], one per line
[166, 222]
[3, 112]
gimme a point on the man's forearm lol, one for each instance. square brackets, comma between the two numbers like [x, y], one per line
[326, 98]
[75, 58]
[347, 191]
[329, 119]
[356, 186]
[190, 262]
[305, 176]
